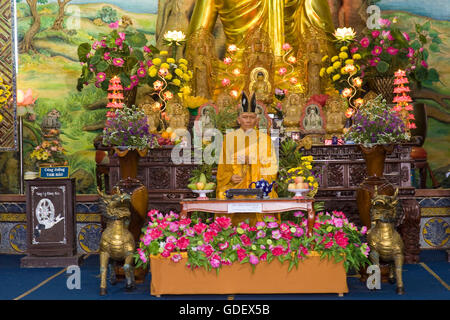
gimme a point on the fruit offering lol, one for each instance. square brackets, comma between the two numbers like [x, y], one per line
[202, 184]
[299, 183]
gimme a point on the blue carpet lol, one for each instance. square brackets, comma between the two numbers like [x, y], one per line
[15, 281]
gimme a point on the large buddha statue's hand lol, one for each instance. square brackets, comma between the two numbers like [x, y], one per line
[235, 178]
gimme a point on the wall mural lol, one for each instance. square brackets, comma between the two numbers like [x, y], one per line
[49, 33]
[437, 99]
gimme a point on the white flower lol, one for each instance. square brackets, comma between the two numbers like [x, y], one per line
[174, 36]
[344, 34]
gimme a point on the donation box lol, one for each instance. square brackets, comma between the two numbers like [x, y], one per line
[51, 233]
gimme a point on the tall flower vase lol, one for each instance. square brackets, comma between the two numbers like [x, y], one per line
[375, 158]
[129, 183]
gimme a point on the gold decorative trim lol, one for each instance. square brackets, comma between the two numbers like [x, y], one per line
[435, 275]
[435, 212]
[89, 217]
[22, 217]
[13, 217]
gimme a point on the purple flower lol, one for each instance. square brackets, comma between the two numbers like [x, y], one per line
[253, 259]
[276, 234]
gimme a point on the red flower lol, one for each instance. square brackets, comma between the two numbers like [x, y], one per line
[155, 234]
[277, 251]
[200, 227]
[169, 246]
[209, 236]
[165, 254]
[208, 250]
[183, 243]
[185, 221]
[246, 240]
[263, 257]
[341, 239]
[365, 42]
[241, 254]
[224, 222]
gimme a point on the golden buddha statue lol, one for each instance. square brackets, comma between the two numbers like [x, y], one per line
[284, 21]
[335, 116]
[200, 52]
[260, 85]
[292, 110]
[178, 116]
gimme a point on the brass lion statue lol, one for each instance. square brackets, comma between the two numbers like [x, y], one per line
[384, 241]
[117, 242]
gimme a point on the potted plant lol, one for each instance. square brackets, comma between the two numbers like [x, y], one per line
[388, 49]
[243, 256]
[376, 128]
[126, 130]
[123, 52]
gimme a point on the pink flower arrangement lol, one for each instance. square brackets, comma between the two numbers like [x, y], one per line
[215, 244]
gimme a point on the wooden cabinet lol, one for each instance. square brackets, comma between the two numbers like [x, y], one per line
[51, 233]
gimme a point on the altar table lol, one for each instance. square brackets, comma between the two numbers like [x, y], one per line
[252, 205]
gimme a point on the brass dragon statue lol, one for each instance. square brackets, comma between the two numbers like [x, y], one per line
[117, 242]
[384, 241]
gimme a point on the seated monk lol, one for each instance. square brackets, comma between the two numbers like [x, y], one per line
[247, 155]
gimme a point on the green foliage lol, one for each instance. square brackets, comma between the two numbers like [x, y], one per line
[107, 14]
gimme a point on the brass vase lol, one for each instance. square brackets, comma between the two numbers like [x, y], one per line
[375, 158]
[129, 183]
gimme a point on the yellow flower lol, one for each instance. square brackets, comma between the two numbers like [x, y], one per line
[325, 58]
[310, 179]
[337, 64]
[183, 61]
[168, 76]
[343, 70]
[307, 158]
[163, 53]
[165, 65]
[183, 67]
[186, 90]
[356, 56]
[330, 70]
[176, 82]
[349, 61]
[343, 55]
[1, 118]
[322, 72]
[156, 61]
[344, 48]
[170, 60]
[334, 58]
[186, 77]
[179, 72]
[152, 72]
[315, 185]
[336, 77]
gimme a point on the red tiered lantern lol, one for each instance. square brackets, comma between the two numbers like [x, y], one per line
[115, 96]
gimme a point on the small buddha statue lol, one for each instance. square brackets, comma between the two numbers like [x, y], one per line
[312, 122]
[260, 87]
[177, 115]
[335, 117]
[292, 109]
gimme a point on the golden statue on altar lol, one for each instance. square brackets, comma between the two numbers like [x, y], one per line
[178, 115]
[284, 21]
[292, 110]
[200, 53]
[260, 85]
[335, 116]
